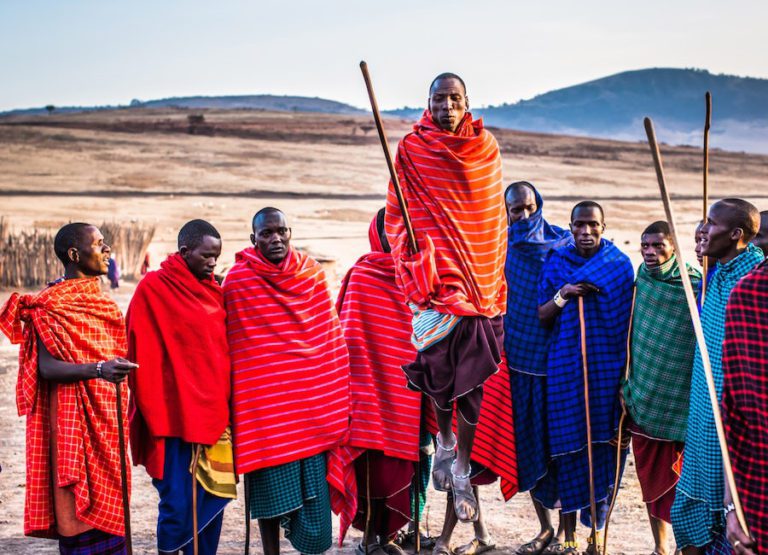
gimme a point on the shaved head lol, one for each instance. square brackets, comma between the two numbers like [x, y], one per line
[446, 75]
[261, 214]
[739, 214]
[68, 237]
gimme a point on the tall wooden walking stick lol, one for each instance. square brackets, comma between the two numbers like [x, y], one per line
[622, 420]
[388, 155]
[698, 330]
[195, 460]
[123, 469]
[705, 207]
[417, 506]
[247, 492]
[592, 502]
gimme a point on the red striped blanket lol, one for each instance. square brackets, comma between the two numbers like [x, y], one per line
[452, 184]
[385, 414]
[290, 367]
[77, 323]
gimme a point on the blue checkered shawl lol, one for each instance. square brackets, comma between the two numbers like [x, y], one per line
[529, 241]
[697, 516]
[607, 316]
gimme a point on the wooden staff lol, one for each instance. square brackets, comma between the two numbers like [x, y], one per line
[369, 508]
[195, 459]
[417, 506]
[622, 419]
[388, 155]
[698, 330]
[705, 207]
[247, 493]
[592, 503]
[123, 470]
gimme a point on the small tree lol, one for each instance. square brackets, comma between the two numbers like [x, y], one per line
[50, 108]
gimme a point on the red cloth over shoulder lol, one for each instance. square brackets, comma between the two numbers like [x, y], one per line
[745, 396]
[79, 324]
[290, 366]
[177, 334]
[452, 185]
[385, 415]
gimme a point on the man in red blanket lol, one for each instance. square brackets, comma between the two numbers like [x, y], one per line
[180, 396]
[450, 171]
[290, 384]
[745, 411]
[378, 457]
[72, 339]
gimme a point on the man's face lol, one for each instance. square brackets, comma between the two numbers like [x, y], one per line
[761, 239]
[587, 228]
[271, 236]
[697, 238]
[201, 260]
[91, 256]
[448, 103]
[656, 249]
[718, 236]
[521, 203]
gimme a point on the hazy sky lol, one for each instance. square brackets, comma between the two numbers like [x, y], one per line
[107, 52]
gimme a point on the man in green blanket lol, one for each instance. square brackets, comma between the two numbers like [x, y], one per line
[657, 390]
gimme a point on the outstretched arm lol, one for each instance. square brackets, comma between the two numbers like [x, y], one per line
[55, 370]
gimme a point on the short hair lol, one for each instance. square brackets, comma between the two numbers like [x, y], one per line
[69, 236]
[658, 227]
[743, 215]
[263, 212]
[518, 185]
[588, 204]
[192, 233]
[447, 75]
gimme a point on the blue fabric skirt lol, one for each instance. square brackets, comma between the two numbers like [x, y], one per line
[174, 521]
[531, 443]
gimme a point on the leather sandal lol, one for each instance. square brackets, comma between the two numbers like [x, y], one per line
[463, 495]
[442, 463]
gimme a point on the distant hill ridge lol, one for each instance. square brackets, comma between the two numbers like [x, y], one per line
[611, 107]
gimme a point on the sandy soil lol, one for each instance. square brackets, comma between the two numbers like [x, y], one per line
[327, 174]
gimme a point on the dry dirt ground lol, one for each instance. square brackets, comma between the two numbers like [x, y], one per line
[327, 174]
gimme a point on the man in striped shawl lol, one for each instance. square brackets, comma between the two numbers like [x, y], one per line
[450, 171]
[290, 385]
[657, 391]
[697, 512]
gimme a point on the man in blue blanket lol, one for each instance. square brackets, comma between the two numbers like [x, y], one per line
[595, 269]
[530, 238]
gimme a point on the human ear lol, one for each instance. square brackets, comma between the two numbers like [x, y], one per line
[73, 255]
[466, 101]
[253, 239]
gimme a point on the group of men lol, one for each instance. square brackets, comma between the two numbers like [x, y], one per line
[508, 346]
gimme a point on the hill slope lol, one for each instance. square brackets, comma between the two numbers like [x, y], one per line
[613, 108]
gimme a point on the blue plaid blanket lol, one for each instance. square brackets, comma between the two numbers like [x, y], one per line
[697, 513]
[529, 241]
[607, 323]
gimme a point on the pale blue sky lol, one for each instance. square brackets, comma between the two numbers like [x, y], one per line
[108, 52]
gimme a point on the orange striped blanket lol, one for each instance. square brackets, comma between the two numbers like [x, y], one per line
[452, 185]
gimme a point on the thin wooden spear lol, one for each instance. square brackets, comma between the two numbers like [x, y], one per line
[622, 419]
[592, 502]
[123, 470]
[195, 535]
[388, 155]
[705, 207]
[698, 330]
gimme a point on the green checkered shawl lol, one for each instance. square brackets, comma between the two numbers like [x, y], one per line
[662, 348]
